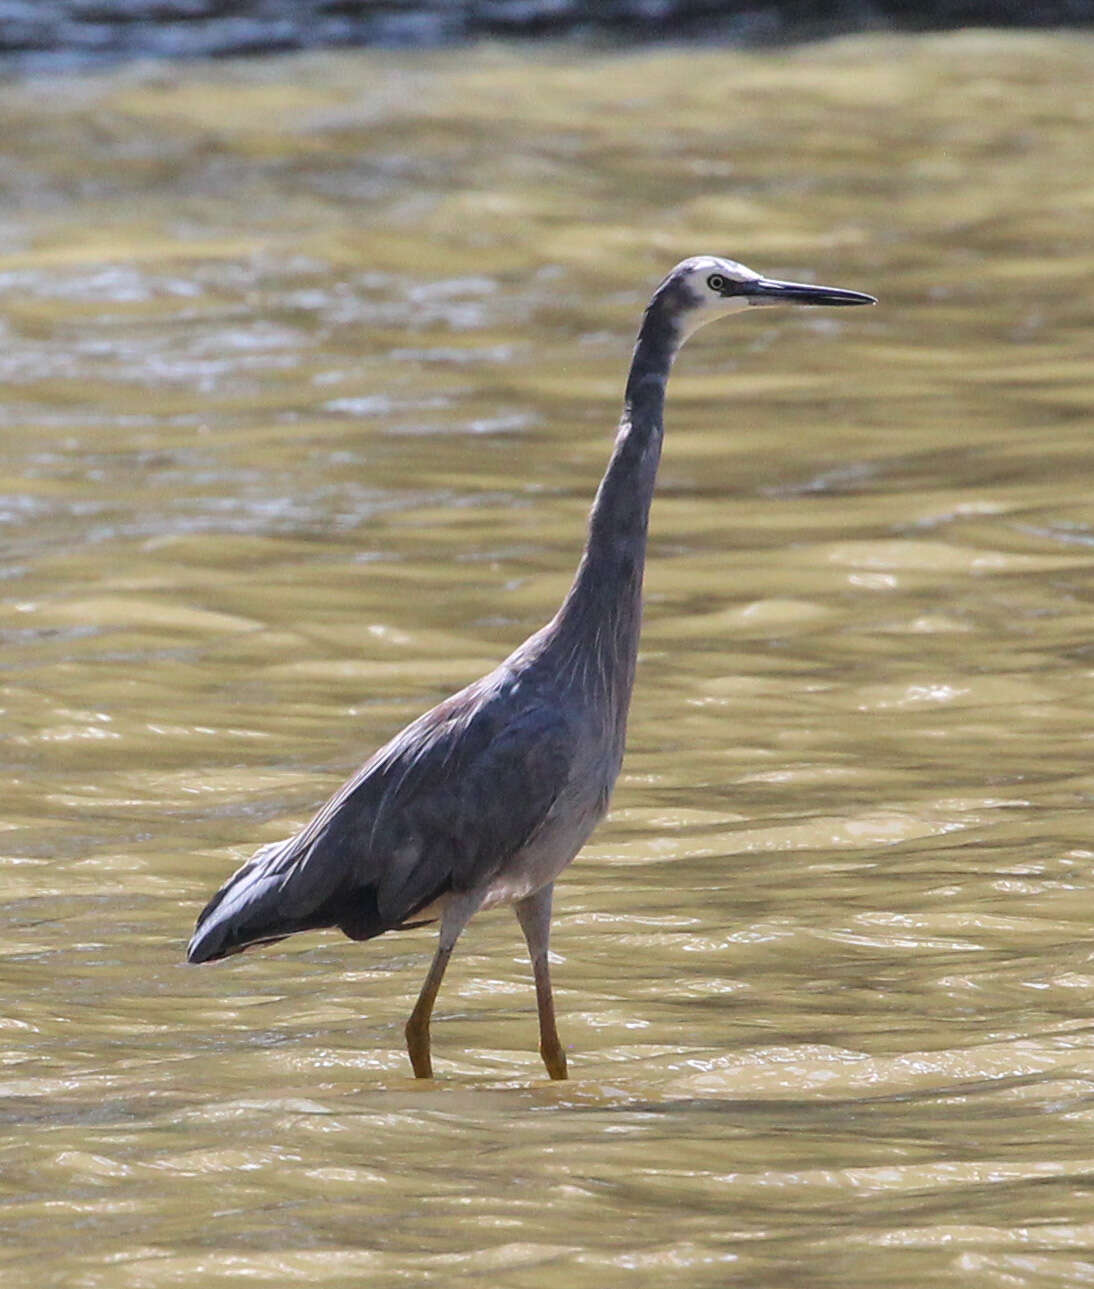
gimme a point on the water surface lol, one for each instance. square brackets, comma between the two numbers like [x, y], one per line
[309, 371]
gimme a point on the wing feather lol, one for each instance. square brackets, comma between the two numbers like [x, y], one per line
[441, 807]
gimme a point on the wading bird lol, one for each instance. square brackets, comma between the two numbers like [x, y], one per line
[485, 799]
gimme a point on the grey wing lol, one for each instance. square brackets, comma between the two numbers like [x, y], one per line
[442, 807]
[468, 804]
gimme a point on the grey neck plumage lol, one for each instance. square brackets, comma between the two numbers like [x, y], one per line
[596, 629]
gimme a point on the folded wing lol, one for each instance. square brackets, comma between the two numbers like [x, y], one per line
[441, 807]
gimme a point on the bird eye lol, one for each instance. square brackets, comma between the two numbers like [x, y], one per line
[717, 283]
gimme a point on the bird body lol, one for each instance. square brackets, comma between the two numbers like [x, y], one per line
[487, 797]
[493, 791]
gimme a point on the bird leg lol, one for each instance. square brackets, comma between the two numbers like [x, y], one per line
[456, 915]
[534, 915]
[417, 1027]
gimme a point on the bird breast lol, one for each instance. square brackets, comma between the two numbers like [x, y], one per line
[564, 831]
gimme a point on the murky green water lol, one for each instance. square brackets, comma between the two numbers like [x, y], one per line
[309, 371]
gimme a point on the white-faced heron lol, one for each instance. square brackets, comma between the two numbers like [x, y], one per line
[485, 799]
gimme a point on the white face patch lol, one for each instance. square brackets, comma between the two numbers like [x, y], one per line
[710, 282]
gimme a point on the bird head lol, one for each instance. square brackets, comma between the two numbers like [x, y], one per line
[706, 287]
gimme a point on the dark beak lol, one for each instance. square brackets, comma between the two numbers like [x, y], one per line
[766, 290]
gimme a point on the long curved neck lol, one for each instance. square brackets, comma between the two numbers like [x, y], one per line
[597, 626]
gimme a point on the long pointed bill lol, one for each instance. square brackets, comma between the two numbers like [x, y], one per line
[766, 290]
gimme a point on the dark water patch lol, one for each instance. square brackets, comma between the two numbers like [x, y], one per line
[54, 34]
